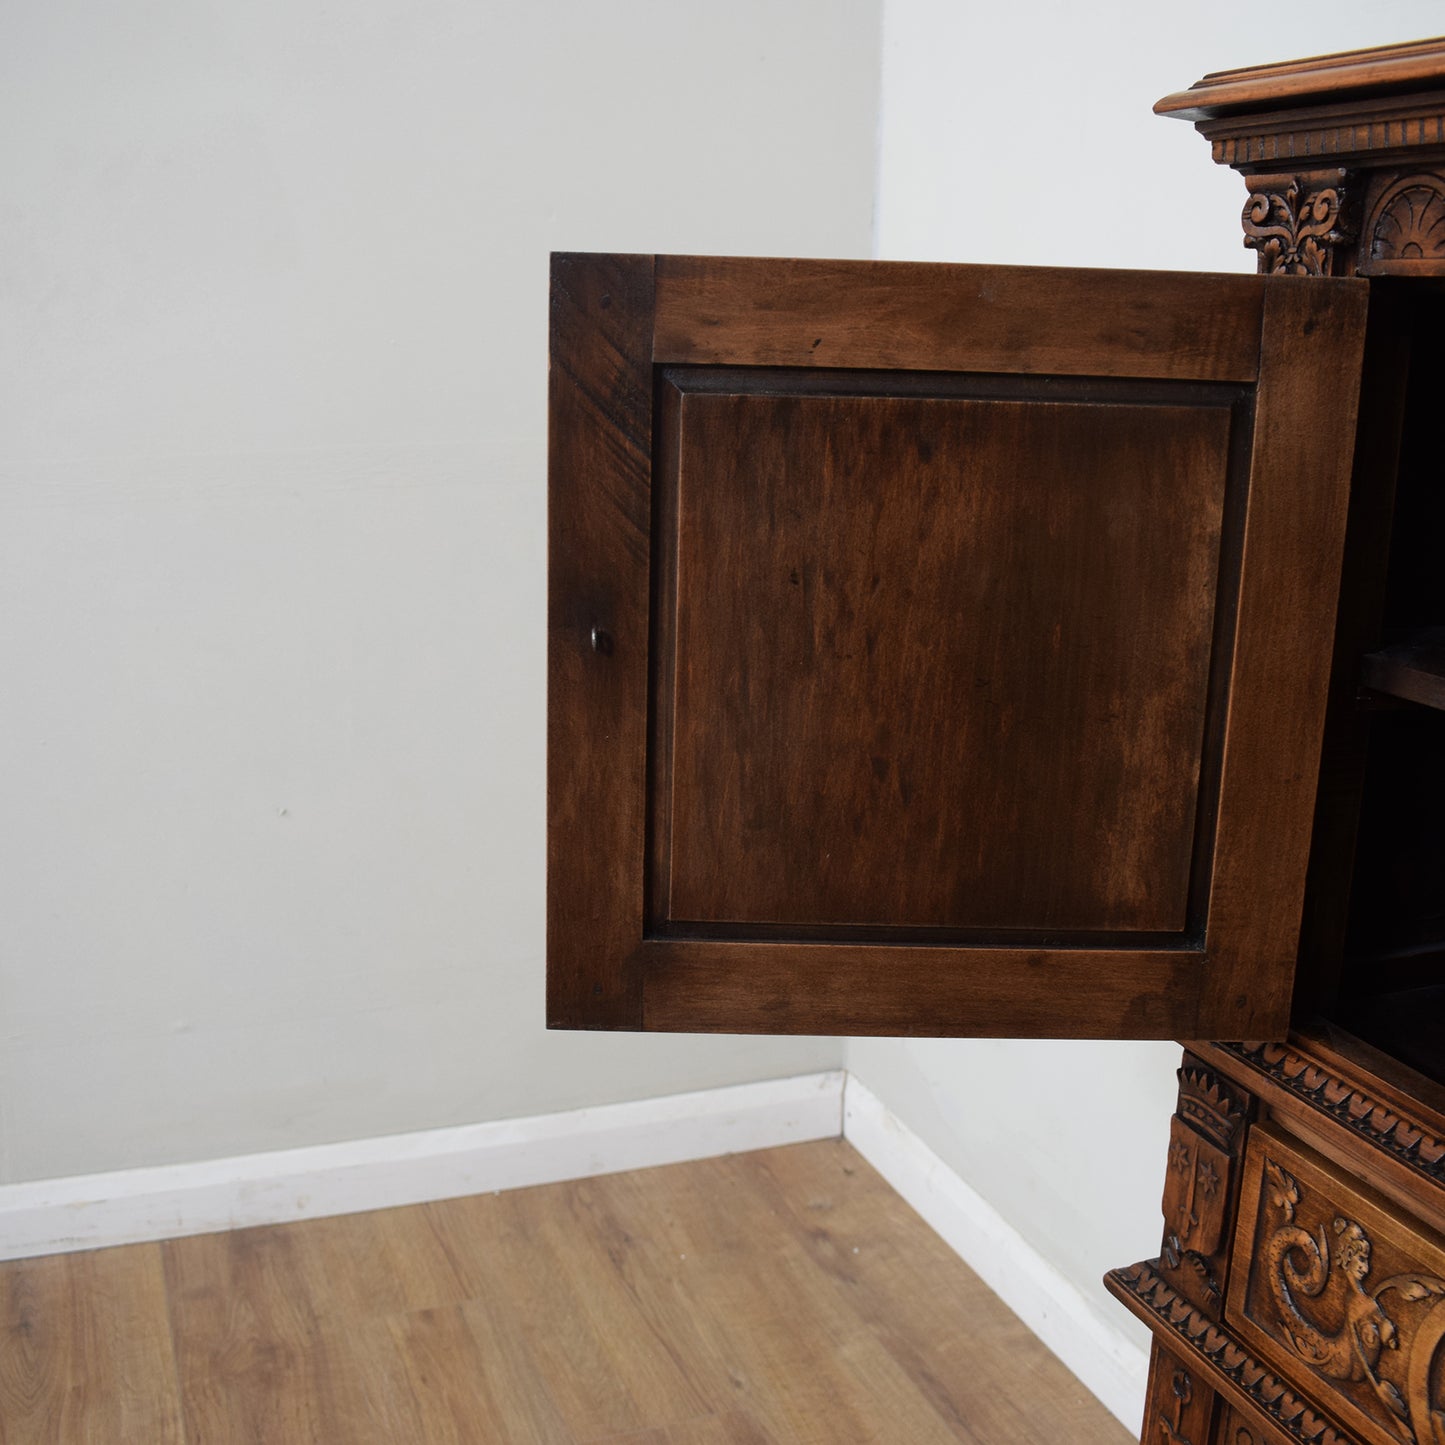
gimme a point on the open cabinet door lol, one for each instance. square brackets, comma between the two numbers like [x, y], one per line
[937, 649]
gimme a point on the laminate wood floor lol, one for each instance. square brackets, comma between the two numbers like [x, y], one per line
[786, 1295]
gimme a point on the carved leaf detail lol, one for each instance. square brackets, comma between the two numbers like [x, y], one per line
[1284, 1192]
[1293, 231]
[1412, 1286]
[1393, 1398]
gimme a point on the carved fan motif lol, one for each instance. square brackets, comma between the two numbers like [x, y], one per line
[1409, 221]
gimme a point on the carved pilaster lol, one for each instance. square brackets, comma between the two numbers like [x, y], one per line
[1301, 224]
[1180, 1407]
[1171, 1422]
[1205, 1136]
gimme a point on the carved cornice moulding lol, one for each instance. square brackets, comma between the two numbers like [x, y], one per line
[1317, 80]
[1360, 1112]
[1368, 116]
[1219, 1355]
[1373, 133]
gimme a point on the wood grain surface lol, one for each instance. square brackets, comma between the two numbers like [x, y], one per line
[718, 310]
[599, 414]
[1351, 75]
[932, 653]
[832, 988]
[1298, 502]
[781, 1296]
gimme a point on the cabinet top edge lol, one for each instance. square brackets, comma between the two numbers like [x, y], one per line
[1347, 75]
[681, 267]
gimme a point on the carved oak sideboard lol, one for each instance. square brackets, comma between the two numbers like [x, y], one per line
[1300, 1291]
[996, 651]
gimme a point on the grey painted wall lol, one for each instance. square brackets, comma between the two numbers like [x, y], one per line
[272, 373]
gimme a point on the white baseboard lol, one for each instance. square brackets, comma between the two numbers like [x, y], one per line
[135, 1205]
[1106, 1361]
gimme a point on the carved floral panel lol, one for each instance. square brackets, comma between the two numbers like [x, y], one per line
[1341, 1292]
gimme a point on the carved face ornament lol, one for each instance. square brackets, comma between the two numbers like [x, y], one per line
[1354, 1254]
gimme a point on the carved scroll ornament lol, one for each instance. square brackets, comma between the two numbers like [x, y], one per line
[1293, 226]
[1235, 1428]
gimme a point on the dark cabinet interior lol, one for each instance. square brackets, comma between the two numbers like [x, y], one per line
[1384, 958]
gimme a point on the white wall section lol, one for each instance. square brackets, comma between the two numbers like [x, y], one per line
[1024, 134]
[272, 511]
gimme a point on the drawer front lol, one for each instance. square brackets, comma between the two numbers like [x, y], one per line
[1341, 1292]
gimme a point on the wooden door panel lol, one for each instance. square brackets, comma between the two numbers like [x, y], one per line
[911, 634]
[1035, 625]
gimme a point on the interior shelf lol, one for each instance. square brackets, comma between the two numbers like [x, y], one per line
[1413, 669]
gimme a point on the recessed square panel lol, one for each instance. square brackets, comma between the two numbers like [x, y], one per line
[934, 661]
